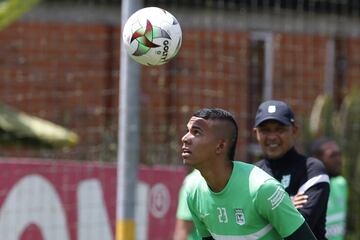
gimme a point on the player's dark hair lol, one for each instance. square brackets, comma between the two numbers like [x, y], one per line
[315, 149]
[222, 115]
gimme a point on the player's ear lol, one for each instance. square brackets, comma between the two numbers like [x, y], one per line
[256, 131]
[221, 146]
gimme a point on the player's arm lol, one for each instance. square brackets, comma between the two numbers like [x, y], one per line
[201, 229]
[274, 204]
[316, 203]
[317, 188]
[184, 223]
[303, 232]
[198, 224]
[182, 229]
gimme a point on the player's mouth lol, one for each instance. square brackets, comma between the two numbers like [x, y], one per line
[272, 145]
[185, 152]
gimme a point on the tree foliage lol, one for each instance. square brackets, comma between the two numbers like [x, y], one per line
[343, 126]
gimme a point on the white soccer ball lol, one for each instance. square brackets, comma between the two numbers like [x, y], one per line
[152, 36]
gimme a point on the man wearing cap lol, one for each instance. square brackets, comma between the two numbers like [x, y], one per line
[304, 178]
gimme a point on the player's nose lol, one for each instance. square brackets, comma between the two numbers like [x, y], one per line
[185, 138]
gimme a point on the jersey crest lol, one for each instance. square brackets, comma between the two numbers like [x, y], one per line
[239, 216]
[285, 181]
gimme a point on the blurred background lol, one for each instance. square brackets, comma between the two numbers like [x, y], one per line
[59, 80]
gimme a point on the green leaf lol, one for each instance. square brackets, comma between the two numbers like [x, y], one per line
[19, 127]
[12, 10]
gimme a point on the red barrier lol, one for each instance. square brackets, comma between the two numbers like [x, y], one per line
[68, 200]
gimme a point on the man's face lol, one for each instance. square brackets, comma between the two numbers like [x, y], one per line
[200, 142]
[275, 138]
[331, 157]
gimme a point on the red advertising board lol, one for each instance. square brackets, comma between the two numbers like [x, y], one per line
[68, 200]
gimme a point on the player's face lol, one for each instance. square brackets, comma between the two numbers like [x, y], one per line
[199, 143]
[275, 138]
[332, 158]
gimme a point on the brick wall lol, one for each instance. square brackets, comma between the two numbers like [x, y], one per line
[63, 73]
[68, 73]
[299, 69]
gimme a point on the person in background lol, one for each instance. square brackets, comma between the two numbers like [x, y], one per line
[304, 178]
[328, 151]
[233, 199]
[184, 225]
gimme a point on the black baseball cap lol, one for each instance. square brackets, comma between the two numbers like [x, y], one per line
[274, 110]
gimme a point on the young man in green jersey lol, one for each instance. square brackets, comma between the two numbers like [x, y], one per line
[234, 200]
[328, 151]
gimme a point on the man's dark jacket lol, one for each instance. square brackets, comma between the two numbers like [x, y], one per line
[299, 173]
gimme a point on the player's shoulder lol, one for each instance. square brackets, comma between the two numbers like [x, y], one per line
[194, 175]
[315, 174]
[239, 165]
[249, 171]
[269, 192]
[270, 186]
[339, 184]
[259, 179]
[314, 167]
[339, 181]
[194, 181]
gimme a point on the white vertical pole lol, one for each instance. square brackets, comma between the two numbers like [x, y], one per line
[128, 135]
[267, 37]
[268, 73]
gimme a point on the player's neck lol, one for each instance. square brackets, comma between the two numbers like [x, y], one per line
[217, 177]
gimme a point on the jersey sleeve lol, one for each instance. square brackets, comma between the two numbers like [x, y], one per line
[200, 226]
[274, 204]
[183, 211]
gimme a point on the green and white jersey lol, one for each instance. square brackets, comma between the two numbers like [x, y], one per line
[337, 207]
[253, 205]
[183, 211]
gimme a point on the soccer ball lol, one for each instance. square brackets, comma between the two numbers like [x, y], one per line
[152, 36]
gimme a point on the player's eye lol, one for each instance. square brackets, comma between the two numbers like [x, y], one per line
[264, 130]
[195, 132]
[282, 129]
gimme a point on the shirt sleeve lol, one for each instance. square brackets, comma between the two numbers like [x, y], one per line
[316, 205]
[183, 211]
[274, 204]
[317, 190]
[200, 226]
